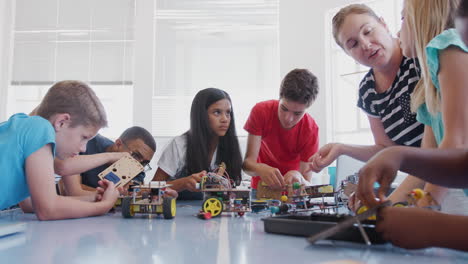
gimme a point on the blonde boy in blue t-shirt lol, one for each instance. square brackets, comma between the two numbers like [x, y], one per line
[68, 117]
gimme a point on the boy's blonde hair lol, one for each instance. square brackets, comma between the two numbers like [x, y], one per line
[77, 99]
[344, 12]
[425, 20]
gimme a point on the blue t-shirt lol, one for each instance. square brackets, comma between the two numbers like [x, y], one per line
[20, 136]
[99, 144]
[446, 39]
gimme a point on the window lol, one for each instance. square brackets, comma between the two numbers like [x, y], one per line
[80, 40]
[231, 45]
[350, 123]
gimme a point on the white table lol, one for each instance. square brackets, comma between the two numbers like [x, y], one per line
[186, 239]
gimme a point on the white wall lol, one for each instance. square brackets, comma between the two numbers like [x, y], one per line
[302, 45]
[7, 8]
[143, 76]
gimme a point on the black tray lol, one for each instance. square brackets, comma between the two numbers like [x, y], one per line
[307, 225]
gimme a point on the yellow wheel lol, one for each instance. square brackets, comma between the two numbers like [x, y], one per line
[364, 208]
[213, 206]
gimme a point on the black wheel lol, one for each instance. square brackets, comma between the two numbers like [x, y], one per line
[127, 210]
[169, 208]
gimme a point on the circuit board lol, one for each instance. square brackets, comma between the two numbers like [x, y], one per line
[122, 171]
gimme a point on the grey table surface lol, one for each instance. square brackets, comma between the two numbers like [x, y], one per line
[187, 239]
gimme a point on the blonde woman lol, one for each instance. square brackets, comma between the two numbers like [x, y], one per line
[384, 93]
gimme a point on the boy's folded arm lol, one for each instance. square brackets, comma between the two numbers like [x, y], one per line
[73, 186]
[63, 207]
[46, 203]
[85, 198]
[26, 205]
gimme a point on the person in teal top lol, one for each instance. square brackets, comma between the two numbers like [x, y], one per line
[67, 118]
[461, 22]
[440, 98]
[29, 133]
[448, 39]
